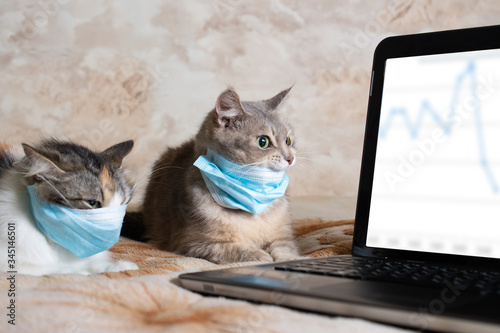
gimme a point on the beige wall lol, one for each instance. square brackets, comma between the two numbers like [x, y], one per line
[99, 72]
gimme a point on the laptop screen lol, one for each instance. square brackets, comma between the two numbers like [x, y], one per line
[436, 182]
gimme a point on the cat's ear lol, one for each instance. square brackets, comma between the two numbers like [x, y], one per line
[117, 153]
[275, 102]
[228, 107]
[38, 162]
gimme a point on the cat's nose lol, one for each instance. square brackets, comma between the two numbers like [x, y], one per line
[290, 160]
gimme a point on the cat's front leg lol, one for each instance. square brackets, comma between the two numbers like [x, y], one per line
[283, 250]
[223, 253]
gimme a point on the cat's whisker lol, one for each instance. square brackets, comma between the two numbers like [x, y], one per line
[312, 152]
[141, 180]
[304, 158]
[56, 190]
[154, 173]
[252, 167]
[308, 163]
[301, 158]
[309, 158]
[138, 184]
[255, 164]
[159, 183]
[166, 167]
[300, 165]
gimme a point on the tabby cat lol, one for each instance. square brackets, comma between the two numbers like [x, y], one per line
[47, 197]
[220, 196]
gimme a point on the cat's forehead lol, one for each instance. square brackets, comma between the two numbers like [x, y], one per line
[81, 160]
[263, 119]
[255, 107]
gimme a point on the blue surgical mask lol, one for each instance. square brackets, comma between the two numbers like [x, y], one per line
[84, 232]
[234, 186]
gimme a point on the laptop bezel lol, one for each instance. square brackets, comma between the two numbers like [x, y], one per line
[452, 41]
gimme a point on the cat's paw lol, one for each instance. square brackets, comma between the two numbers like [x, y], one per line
[257, 255]
[285, 254]
[123, 265]
[235, 254]
[109, 266]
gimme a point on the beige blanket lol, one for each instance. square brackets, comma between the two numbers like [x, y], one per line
[151, 300]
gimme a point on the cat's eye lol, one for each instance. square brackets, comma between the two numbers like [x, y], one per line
[263, 141]
[94, 203]
[288, 141]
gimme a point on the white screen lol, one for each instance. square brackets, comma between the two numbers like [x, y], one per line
[436, 185]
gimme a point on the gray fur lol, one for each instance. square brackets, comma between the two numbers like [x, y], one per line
[179, 212]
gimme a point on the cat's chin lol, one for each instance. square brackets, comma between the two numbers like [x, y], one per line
[280, 167]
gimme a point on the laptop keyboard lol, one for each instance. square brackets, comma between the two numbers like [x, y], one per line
[482, 282]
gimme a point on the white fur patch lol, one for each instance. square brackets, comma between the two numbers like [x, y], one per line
[117, 200]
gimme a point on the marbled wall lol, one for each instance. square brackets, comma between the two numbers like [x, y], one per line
[101, 71]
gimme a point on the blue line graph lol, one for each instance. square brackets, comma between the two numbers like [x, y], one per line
[446, 123]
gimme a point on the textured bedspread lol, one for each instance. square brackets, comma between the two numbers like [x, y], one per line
[151, 300]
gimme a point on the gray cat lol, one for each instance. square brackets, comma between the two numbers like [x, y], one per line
[185, 211]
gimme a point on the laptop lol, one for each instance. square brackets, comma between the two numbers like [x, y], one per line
[426, 244]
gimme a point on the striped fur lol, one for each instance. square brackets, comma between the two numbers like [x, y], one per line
[67, 174]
